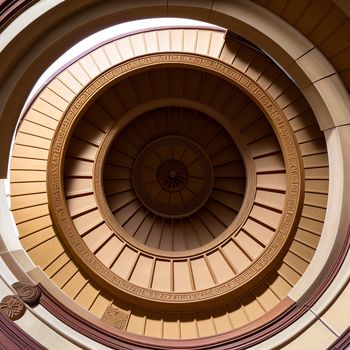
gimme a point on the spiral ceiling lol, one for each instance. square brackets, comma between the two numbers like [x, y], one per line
[171, 188]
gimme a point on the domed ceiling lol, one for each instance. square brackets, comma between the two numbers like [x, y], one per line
[173, 183]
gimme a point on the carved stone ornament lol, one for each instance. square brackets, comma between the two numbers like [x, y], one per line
[12, 307]
[115, 317]
[29, 293]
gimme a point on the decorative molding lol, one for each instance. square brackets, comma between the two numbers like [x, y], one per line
[244, 337]
[343, 342]
[29, 293]
[14, 337]
[64, 223]
[12, 307]
[115, 317]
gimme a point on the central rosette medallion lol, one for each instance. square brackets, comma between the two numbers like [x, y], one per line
[173, 179]
[173, 176]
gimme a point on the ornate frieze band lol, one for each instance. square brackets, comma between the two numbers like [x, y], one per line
[63, 221]
[196, 201]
